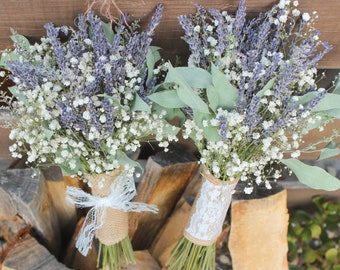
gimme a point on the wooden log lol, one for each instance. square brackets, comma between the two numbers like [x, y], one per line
[165, 178]
[23, 193]
[74, 259]
[144, 261]
[12, 229]
[56, 185]
[28, 254]
[172, 231]
[258, 235]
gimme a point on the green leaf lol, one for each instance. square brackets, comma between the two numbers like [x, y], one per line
[171, 113]
[20, 39]
[70, 172]
[8, 56]
[123, 159]
[301, 215]
[333, 113]
[107, 27]
[329, 152]
[151, 58]
[331, 254]
[309, 256]
[210, 132]
[115, 101]
[222, 94]
[140, 105]
[315, 230]
[329, 102]
[312, 176]
[186, 94]
[195, 77]
[48, 133]
[268, 85]
[337, 87]
[306, 98]
[15, 92]
[167, 99]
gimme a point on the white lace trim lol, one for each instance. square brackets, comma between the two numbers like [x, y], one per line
[122, 191]
[210, 208]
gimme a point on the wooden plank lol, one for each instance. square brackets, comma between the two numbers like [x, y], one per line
[28, 254]
[28, 17]
[165, 178]
[23, 193]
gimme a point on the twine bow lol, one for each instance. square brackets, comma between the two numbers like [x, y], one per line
[122, 191]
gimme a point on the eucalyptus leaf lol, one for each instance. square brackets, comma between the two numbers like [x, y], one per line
[312, 176]
[306, 98]
[48, 133]
[268, 85]
[227, 94]
[186, 94]
[330, 150]
[140, 105]
[152, 57]
[20, 39]
[15, 92]
[123, 159]
[335, 113]
[8, 56]
[330, 101]
[167, 99]
[337, 87]
[210, 132]
[195, 77]
[115, 101]
[67, 169]
[107, 27]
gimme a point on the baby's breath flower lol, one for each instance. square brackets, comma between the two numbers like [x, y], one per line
[78, 106]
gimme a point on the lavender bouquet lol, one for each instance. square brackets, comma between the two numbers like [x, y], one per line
[249, 96]
[81, 104]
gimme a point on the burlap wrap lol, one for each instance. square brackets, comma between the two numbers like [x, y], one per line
[209, 210]
[115, 226]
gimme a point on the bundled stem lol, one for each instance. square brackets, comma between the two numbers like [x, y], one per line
[113, 257]
[189, 256]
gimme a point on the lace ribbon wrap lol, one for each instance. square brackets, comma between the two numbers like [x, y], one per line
[209, 210]
[106, 210]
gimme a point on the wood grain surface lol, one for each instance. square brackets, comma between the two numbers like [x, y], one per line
[28, 17]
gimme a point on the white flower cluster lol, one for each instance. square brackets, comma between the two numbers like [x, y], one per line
[239, 153]
[72, 111]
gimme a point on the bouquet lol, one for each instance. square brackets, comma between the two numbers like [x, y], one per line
[81, 104]
[249, 96]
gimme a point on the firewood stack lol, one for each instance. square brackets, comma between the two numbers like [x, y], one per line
[39, 228]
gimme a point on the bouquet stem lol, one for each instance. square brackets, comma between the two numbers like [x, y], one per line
[196, 249]
[115, 249]
[188, 256]
[113, 257]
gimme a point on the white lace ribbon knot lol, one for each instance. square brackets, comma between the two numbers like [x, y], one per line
[122, 191]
